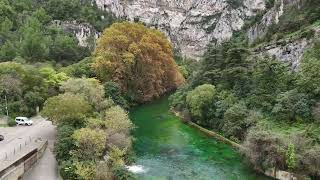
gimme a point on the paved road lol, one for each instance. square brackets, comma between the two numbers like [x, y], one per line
[46, 168]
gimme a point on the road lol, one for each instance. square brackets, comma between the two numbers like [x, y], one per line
[18, 136]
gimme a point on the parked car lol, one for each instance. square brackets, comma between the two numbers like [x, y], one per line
[1, 137]
[23, 121]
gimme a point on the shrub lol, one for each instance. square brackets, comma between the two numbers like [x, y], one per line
[265, 149]
[104, 172]
[66, 107]
[199, 98]
[236, 122]
[67, 170]
[64, 142]
[291, 156]
[121, 173]
[11, 122]
[113, 91]
[117, 120]
[85, 170]
[89, 143]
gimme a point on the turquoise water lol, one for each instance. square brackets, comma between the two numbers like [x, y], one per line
[170, 149]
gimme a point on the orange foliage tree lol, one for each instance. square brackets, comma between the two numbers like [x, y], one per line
[139, 59]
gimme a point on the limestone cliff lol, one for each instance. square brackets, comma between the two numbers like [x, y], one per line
[84, 32]
[190, 24]
[271, 17]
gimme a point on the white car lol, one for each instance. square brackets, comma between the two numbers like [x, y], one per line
[23, 121]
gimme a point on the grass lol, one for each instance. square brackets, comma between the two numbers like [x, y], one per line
[4, 125]
[287, 129]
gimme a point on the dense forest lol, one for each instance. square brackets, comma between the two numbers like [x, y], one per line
[85, 92]
[272, 110]
[258, 101]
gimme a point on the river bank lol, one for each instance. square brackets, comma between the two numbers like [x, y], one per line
[166, 148]
[273, 173]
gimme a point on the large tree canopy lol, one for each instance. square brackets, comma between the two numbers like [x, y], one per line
[139, 59]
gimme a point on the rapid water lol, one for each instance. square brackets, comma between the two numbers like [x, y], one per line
[168, 149]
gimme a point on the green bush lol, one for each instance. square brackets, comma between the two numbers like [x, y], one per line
[11, 122]
[121, 173]
[199, 98]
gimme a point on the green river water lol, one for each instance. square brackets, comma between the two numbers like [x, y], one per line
[170, 149]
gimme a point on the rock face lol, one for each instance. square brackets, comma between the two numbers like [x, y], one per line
[190, 24]
[287, 52]
[270, 17]
[83, 32]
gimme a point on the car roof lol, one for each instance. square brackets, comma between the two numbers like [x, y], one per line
[21, 118]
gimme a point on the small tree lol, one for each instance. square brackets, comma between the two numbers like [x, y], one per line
[66, 108]
[291, 156]
[117, 120]
[90, 144]
[199, 98]
[309, 74]
[238, 119]
[90, 89]
[292, 104]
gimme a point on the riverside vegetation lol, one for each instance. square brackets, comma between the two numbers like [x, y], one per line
[261, 103]
[42, 66]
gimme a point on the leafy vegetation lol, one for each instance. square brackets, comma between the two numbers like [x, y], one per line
[259, 102]
[27, 33]
[297, 21]
[90, 127]
[26, 87]
[245, 99]
[138, 59]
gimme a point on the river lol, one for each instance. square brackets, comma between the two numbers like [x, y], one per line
[166, 148]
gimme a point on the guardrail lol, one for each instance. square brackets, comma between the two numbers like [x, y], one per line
[21, 159]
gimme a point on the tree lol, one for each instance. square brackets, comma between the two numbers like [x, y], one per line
[264, 149]
[236, 122]
[52, 77]
[113, 91]
[291, 156]
[64, 49]
[85, 170]
[80, 69]
[90, 144]
[309, 73]
[117, 120]
[139, 59]
[67, 107]
[199, 98]
[270, 77]
[118, 128]
[7, 51]
[291, 104]
[64, 142]
[90, 89]
[34, 44]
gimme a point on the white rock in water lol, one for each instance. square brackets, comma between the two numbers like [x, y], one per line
[136, 169]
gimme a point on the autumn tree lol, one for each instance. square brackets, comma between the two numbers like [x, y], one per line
[139, 59]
